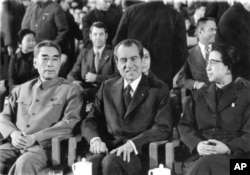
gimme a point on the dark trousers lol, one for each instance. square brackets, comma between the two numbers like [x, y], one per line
[111, 164]
[209, 165]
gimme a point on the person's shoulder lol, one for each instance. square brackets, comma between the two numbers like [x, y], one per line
[112, 81]
[156, 82]
[242, 84]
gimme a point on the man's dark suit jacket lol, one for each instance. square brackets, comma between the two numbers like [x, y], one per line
[229, 121]
[85, 64]
[161, 29]
[148, 117]
[194, 69]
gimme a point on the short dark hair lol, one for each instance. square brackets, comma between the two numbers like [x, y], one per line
[98, 24]
[46, 43]
[128, 43]
[229, 57]
[204, 20]
[24, 32]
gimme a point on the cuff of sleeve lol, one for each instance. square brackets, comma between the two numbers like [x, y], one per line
[195, 83]
[93, 139]
[133, 145]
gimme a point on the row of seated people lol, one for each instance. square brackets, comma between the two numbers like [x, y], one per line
[129, 111]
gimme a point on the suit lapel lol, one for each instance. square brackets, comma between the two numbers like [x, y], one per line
[228, 97]
[210, 97]
[104, 58]
[199, 56]
[117, 91]
[139, 95]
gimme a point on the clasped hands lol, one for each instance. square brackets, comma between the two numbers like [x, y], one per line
[97, 146]
[21, 140]
[212, 146]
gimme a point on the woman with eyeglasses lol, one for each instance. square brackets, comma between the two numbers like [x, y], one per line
[216, 124]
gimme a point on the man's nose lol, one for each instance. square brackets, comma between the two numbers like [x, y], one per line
[49, 63]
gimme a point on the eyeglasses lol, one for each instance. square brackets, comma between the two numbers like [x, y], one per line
[213, 62]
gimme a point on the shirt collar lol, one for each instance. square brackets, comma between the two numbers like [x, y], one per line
[134, 84]
[100, 50]
[47, 84]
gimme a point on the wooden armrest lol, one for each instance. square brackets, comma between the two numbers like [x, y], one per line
[153, 153]
[56, 149]
[72, 149]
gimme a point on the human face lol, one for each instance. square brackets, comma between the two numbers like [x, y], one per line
[103, 4]
[216, 70]
[47, 63]
[129, 62]
[146, 61]
[98, 37]
[208, 32]
[28, 43]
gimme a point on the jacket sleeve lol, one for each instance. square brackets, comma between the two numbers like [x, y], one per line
[162, 127]
[187, 127]
[184, 79]
[75, 73]
[95, 119]
[9, 115]
[241, 144]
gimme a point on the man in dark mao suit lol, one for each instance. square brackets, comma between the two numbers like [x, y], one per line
[118, 130]
[161, 29]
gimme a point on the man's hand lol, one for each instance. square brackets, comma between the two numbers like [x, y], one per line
[204, 149]
[90, 77]
[30, 140]
[199, 85]
[10, 51]
[18, 140]
[97, 146]
[220, 147]
[125, 149]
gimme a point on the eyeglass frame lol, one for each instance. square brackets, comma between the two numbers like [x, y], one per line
[213, 62]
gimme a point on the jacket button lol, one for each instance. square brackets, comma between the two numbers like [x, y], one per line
[214, 115]
[33, 113]
[37, 100]
[27, 126]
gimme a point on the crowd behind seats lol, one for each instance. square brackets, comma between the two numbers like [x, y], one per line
[177, 37]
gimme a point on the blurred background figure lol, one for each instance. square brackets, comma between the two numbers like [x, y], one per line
[106, 12]
[21, 67]
[234, 29]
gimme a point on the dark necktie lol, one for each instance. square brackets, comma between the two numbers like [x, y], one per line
[97, 61]
[127, 96]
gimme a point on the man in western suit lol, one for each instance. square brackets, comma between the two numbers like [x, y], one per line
[161, 29]
[88, 72]
[129, 112]
[193, 73]
[37, 111]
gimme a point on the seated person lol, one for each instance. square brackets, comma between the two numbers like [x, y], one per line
[93, 65]
[128, 113]
[37, 111]
[21, 67]
[215, 125]
[193, 73]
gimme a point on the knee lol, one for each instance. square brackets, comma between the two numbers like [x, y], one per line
[109, 162]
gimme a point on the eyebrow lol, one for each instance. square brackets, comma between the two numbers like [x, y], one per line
[46, 55]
